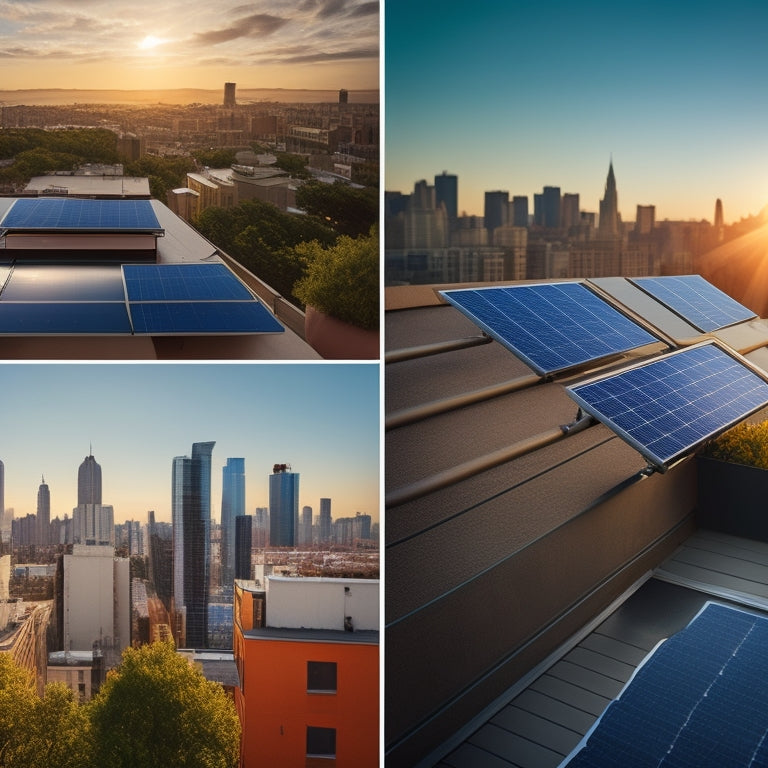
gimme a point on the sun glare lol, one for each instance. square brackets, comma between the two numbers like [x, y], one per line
[150, 42]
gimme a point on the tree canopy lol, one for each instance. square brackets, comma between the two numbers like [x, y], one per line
[156, 710]
[349, 211]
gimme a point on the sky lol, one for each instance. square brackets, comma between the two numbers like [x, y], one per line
[139, 44]
[322, 419]
[518, 96]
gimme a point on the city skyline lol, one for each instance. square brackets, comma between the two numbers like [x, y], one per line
[115, 44]
[136, 418]
[518, 97]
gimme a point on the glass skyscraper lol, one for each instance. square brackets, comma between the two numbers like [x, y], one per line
[43, 513]
[232, 506]
[89, 482]
[191, 516]
[283, 506]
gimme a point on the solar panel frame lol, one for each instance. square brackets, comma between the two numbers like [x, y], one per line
[61, 214]
[667, 407]
[695, 300]
[539, 323]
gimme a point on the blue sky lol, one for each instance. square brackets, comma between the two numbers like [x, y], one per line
[322, 419]
[518, 96]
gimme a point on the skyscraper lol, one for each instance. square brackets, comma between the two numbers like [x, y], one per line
[243, 538]
[325, 521]
[283, 506]
[608, 226]
[551, 207]
[191, 515]
[447, 192]
[232, 506]
[520, 211]
[229, 94]
[43, 513]
[496, 209]
[89, 482]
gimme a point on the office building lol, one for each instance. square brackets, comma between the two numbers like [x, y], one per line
[261, 527]
[89, 481]
[550, 201]
[43, 513]
[520, 211]
[343, 96]
[608, 224]
[94, 525]
[307, 656]
[243, 538]
[232, 507]
[325, 523]
[496, 209]
[95, 595]
[160, 544]
[283, 506]
[229, 95]
[191, 520]
[447, 193]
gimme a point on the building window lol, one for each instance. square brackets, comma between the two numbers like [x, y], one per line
[321, 676]
[321, 742]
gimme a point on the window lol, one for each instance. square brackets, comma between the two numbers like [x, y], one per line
[321, 676]
[321, 742]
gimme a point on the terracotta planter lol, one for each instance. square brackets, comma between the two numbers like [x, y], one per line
[733, 498]
[336, 340]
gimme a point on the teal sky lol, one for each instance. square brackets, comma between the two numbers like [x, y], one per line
[322, 419]
[517, 96]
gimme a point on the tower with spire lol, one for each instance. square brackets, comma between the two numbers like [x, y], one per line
[608, 226]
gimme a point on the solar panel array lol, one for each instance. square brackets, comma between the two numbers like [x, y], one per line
[696, 300]
[552, 326]
[699, 700]
[667, 407]
[189, 299]
[76, 215]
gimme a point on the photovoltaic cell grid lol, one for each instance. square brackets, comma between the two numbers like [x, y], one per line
[699, 700]
[183, 282]
[75, 215]
[552, 326]
[695, 300]
[667, 407]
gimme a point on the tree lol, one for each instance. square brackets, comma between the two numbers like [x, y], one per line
[156, 709]
[348, 210]
[17, 702]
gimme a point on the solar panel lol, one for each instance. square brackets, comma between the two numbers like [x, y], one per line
[88, 318]
[667, 407]
[76, 215]
[202, 317]
[183, 282]
[551, 326]
[698, 700]
[695, 300]
[55, 283]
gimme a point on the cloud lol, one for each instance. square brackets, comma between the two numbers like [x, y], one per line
[331, 8]
[258, 24]
[323, 57]
[366, 9]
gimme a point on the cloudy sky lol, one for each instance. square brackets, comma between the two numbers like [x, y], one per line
[322, 419]
[137, 44]
[517, 96]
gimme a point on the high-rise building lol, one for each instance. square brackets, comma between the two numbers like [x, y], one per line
[89, 482]
[261, 527]
[496, 209]
[229, 94]
[94, 525]
[608, 226]
[343, 96]
[43, 513]
[326, 530]
[571, 216]
[160, 540]
[283, 506]
[447, 192]
[551, 207]
[243, 538]
[520, 211]
[191, 514]
[232, 506]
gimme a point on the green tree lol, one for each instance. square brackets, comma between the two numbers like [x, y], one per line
[293, 165]
[158, 710]
[17, 702]
[348, 210]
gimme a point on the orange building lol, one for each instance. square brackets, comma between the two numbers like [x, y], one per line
[307, 654]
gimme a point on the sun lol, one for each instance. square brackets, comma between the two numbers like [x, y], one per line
[150, 42]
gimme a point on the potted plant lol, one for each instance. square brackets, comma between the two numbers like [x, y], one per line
[340, 290]
[733, 482]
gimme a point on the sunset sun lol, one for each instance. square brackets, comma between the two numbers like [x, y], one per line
[150, 42]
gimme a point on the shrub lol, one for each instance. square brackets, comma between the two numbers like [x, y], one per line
[743, 444]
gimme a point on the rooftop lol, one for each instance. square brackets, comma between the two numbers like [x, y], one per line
[514, 546]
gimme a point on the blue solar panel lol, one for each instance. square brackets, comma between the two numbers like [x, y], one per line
[552, 326]
[55, 283]
[73, 214]
[92, 318]
[183, 282]
[695, 300]
[699, 700]
[202, 317]
[667, 407]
